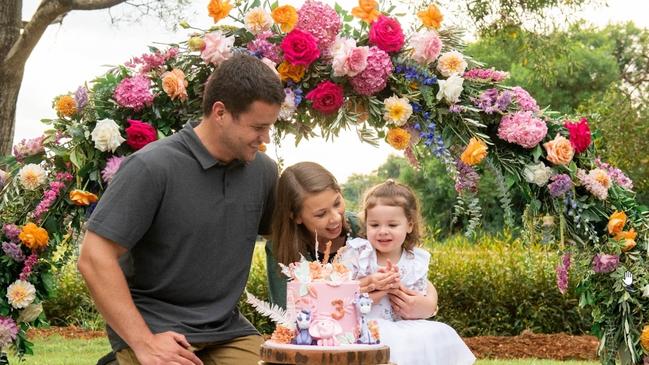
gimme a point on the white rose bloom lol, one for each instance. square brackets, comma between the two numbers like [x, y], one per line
[32, 176]
[450, 89]
[538, 174]
[21, 294]
[30, 313]
[106, 136]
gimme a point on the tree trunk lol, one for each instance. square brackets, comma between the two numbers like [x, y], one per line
[10, 79]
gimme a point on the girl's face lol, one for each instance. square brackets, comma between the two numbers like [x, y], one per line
[323, 213]
[387, 227]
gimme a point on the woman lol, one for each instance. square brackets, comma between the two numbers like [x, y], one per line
[309, 205]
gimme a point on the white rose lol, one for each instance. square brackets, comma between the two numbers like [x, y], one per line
[106, 136]
[30, 313]
[450, 89]
[538, 174]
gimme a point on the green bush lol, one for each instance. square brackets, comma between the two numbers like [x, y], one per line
[496, 287]
[502, 287]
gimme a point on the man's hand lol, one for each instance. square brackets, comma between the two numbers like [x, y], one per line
[166, 348]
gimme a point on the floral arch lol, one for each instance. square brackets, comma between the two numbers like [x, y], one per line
[342, 69]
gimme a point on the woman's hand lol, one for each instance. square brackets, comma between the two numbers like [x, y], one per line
[409, 304]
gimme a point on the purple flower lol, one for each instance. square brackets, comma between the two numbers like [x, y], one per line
[81, 97]
[11, 231]
[560, 185]
[525, 101]
[264, 48]
[562, 273]
[8, 331]
[112, 165]
[604, 263]
[616, 174]
[467, 178]
[503, 100]
[29, 265]
[13, 250]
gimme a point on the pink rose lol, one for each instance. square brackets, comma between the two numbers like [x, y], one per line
[140, 134]
[350, 60]
[386, 34]
[300, 48]
[218, 48]
[326, 98]
[579, 134]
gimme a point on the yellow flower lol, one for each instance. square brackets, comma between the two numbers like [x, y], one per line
[219, 9]
[398, 138]
[644, 338]
[397, 110]
[286, 17]
[66, 106]
[82, 198]
[475, 152]
[431, 17]
[289, 71]
[33, 236]
[20, 294]
[367, 11]
[196, 43]
[616, 222]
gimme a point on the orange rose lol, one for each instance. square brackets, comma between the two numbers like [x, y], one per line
[629, 239]
[644, 338]
[559, 150]
[367, 11]
[174, 84]
[289, 71]
[262, 147]
[82, 198]
[398, 138]
[475, 152]
[66, 106]
[286, 17]
[33, 236]
[431, 17]
[219, 9]
[616, 222]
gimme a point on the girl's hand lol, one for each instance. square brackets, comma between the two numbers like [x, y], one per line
[380, 281]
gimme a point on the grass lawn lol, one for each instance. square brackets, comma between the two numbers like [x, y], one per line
[55, 350]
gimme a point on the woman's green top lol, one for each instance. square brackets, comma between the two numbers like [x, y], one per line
[277, 280]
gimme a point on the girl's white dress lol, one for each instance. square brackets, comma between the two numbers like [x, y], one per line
[412, 342]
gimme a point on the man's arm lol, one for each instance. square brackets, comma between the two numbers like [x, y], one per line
[98, 264]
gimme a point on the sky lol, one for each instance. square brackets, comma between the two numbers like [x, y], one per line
[86, 44]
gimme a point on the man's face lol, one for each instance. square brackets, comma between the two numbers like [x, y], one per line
[243, 135]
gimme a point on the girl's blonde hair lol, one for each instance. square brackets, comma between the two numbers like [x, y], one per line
[395, 194]
[295, 184]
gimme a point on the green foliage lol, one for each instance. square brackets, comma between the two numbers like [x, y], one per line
[56, 350]
[501, 287]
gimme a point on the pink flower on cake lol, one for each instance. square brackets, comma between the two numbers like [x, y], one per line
[300, 48]
[327, 97]
[218, 48]
[522, 128]
[579, 134]
[374, 77]
[140, 134]
[386, 34]
[426, 46]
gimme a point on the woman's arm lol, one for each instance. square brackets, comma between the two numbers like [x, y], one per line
[411, 305]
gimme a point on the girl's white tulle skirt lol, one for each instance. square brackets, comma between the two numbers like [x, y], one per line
[422, 342]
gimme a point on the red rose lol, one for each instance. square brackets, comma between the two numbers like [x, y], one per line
[386, 34]
[326, 98]
[579, 134]
[139, 134]
[300, 48]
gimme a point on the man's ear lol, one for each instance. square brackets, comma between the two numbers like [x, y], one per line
[218, 110]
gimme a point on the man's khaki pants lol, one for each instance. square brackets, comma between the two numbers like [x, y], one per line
[240, 351]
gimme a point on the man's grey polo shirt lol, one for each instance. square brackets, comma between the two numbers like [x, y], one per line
[190, 224]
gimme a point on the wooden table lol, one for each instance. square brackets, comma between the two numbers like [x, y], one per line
[272, 354]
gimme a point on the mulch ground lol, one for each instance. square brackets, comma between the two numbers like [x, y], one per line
[559, 346]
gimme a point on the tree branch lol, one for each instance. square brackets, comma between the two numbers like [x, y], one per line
[93, 4]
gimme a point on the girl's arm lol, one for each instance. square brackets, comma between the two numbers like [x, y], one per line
[411, 305]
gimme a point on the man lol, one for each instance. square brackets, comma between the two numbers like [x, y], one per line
[168, 249]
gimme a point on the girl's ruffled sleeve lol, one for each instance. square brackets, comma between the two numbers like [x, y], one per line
[418, 278]
[358, 256]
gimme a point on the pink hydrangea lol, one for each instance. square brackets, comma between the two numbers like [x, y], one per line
[8, 331]
[322, 21]
[525, 101]
[112, 165]
[134, 92]
[264, 48]
[522, 128]
[374, 78]
[426, 46]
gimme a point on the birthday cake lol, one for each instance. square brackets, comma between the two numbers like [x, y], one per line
[324, 308]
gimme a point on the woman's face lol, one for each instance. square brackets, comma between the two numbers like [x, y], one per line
[323, 213]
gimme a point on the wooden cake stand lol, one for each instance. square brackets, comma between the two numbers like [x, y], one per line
[273, 353]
